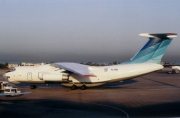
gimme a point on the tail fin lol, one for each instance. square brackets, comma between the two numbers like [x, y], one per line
[154, 49]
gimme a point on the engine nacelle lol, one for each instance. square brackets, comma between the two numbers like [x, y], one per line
[61, 77]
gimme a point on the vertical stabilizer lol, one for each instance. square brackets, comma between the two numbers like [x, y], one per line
[154, 49]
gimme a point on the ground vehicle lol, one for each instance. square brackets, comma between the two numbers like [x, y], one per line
[12, 91]
[175, 70]
[7, 90]
[4, 85]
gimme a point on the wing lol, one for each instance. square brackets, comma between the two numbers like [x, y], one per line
[79, 69]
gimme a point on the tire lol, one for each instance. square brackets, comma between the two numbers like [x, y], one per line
[83, 87]
[74, 87]
[33, 87]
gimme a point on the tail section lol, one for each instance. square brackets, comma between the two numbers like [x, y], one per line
[154, 49]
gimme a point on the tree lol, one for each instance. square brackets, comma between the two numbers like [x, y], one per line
[115, 63]
[6, 64]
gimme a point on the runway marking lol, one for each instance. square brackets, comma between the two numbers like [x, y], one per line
[79, 110]
[102, 105]
[113, 108]
[161, 82]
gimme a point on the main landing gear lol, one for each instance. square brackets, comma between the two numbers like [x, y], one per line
[33, 86]
[74, 87]
[83, 87]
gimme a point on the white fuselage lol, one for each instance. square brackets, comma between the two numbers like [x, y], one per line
[104, 74]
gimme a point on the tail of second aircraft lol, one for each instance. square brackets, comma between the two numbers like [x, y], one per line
[154, 49]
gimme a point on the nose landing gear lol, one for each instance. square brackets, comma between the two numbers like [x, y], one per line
[33, 86]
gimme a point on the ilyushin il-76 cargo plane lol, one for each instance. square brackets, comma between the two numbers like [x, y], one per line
[76, 75]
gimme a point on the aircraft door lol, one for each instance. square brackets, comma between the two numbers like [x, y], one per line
[29, 76]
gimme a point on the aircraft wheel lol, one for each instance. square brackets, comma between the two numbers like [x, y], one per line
[83, 87]
[74, 87]
[33, 87]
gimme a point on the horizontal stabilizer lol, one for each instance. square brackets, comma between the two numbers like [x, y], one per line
[159, 35]
[75, 68]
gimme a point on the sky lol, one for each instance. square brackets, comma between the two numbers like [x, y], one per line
[84, 30]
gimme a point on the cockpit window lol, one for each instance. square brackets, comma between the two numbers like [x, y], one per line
[13, 69]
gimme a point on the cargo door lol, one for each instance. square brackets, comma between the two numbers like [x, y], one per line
[29, 76]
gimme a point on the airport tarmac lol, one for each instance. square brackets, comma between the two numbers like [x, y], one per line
[153, 95]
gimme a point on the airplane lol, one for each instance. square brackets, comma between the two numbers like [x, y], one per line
[76, 75]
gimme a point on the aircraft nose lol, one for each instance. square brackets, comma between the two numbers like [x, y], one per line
[5, 76]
